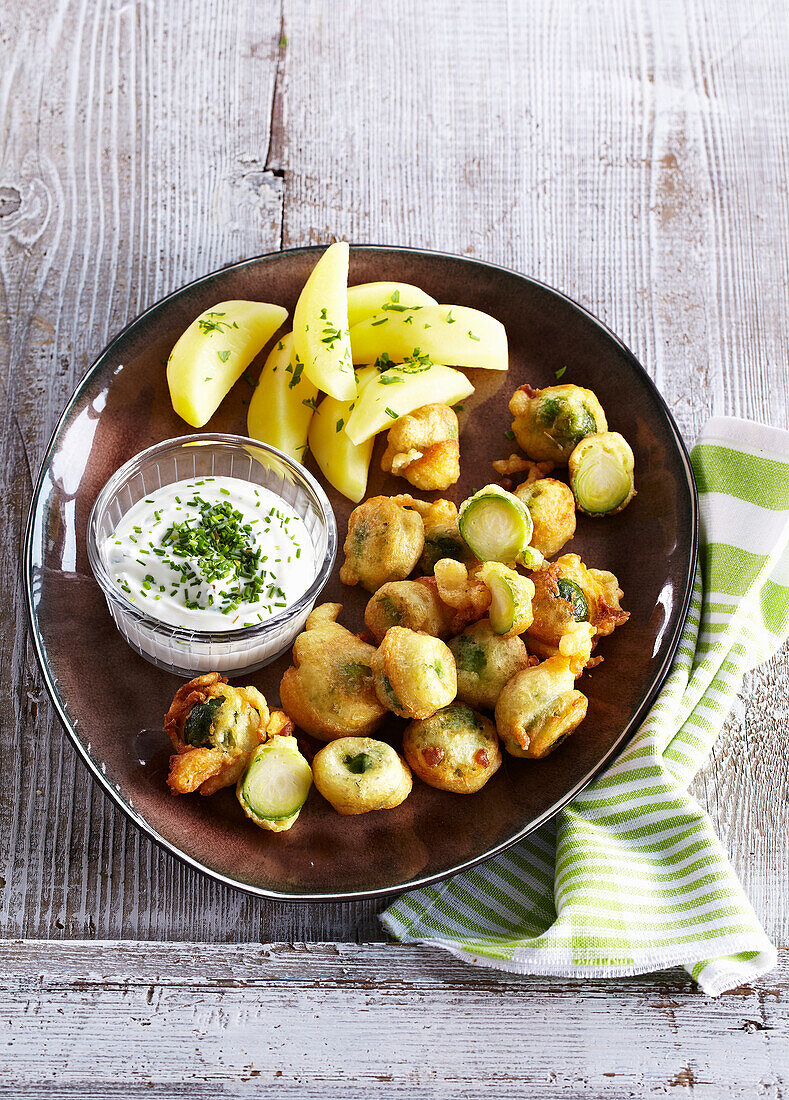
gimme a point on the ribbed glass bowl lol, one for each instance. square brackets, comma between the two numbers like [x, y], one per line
[232, 652]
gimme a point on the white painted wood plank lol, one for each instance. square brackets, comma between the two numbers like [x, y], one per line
[340, 1020]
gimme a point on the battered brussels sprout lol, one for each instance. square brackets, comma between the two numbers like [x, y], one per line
[573, 607]
[549, 423]
[551, 505]
[510, 598]
[357, 774]
[442, 536]
[276, 785]
[214, 729]
[414, 674]
[423, 448]
[329, 692]
[385, 539]
[485, 662]
[455, 749]
[601, 474]
[497, 526]
[538, 708]
[415, 604]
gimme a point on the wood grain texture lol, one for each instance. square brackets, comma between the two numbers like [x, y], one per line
[335, 1020]
[633, 155]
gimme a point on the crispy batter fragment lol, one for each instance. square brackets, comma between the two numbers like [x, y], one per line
[423, 448]
[462, 589]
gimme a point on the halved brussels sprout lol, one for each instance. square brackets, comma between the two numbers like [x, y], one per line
[538, 708]
[549, 423]
[497, 526]
[510, 598]
[601, 474]
[275, 785]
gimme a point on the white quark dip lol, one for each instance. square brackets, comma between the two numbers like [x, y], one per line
[211, 553]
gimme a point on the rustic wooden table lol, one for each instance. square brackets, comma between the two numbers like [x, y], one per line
[631, 153]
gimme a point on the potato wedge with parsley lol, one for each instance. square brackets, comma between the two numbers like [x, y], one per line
[368, 299]
[282, 405]
[320, 325]
[344, 464]
[400, 389]
[213, 353]
[458, 335]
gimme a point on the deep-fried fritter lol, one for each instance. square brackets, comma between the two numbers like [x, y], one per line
[455, 749]
[485, 662]
[329, 690]
[423, 448]
[414, 673]
[415, 604]
[385, 538]
[551, 505]
[358, 774]
[538, 708]
[214, 729]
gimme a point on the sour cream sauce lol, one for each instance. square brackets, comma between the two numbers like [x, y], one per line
[211, 553]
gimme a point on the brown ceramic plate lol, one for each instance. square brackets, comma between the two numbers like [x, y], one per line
[111, 701]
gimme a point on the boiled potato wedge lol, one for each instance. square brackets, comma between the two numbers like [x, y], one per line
[214, 352]
[458, 335]
[367, 299]
[397, 391]
[343, 464]
[283, 402]
[320, 325]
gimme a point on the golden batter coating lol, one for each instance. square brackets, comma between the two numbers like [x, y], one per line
[485, 662]
[423, 448]
[385, 538]
[214, 729]
[414, 673]
[456, 749]
[329, 690]
[573, 607]
[551, 505]
[415, 604]
[549, 423]
[358, 774]
[538, 708]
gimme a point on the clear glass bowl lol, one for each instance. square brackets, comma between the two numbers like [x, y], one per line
[188, 652]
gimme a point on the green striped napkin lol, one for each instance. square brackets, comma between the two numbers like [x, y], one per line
[631, 877]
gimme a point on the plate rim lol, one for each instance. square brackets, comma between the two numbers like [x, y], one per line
[417, 883]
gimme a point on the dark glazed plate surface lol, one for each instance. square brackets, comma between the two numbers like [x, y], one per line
[111, 701]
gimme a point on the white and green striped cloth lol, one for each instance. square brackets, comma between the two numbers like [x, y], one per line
[630, 877]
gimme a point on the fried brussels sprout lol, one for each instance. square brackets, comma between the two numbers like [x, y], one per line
[497, 526]
[414, 673]
[415, 604]
[573, 607]
[423, 447]
[538, 708]
[455, 749]
[275, 785]
[551, 505]
[214, 729]
[485, 662]
[549, 423]
[385, 539]
[357, 774]
[329, 690]
[511, 595]
[442, 536]
[601, 474]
